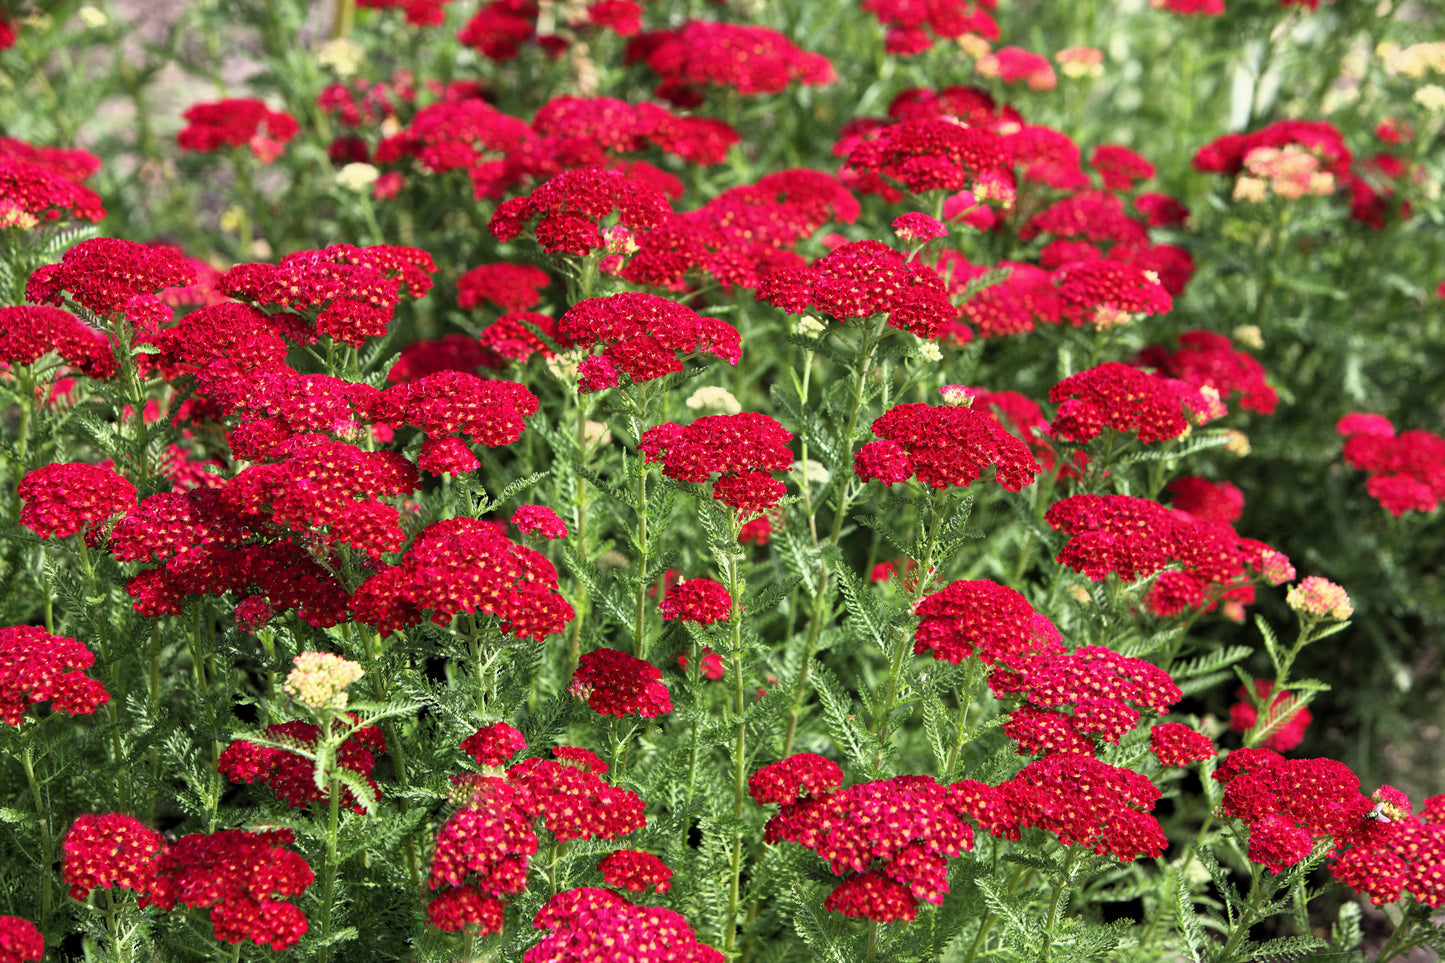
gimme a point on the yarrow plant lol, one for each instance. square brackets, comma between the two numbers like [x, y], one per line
[608, 481]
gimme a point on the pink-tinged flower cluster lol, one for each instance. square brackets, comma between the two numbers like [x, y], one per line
[292, 775]
[348, 293]
[20, 940]
[642, 336]
[889, 839]
[1015, 64]
[928, 154]
[914, 26]
[983, 617]
[1208, 360]
[29, 332]
[243, 878]
[615, 683]
[494, 745]
[569, 208]
[749, 59]
[699, 600]
[1083, 801]
[36, 667]
[105, 850]
[1406, 470]
[31, 195]
[1320, 598]
[465, 565]
[1114, 395]
[482, 853]
[235, 122]
[109, 276]
[637, 871]
[861, 279]
[1226, 155]
[1286, 721]
[1175, 744]
[742, 449]
[592, 925]
[539, 520]
[1208, 500]
[1105, 292]
[943, 447]
[62, 499]
[511, 287]
[1105, 690]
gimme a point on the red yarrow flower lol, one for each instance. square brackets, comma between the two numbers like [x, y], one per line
[20, 940]
[569, 208]
[744, 449]
[983, 617]
[235, 122]
[635, 870]
[1287, 723]
[1205, 359]
[292, 775]
[32, 194]
[65, 498]
[803, 774]
[511, 287]
[107, 275]
[599, 926]
[1114, 395]
[943, 447]
[643, 335]
[699, 600]
[618, 684]
[493, 745]
[928, 154]
[29, 332]
[748, 59]
[1406, 471]
[539, 520]
[36, 667]
[110, 849]
[1175, 744]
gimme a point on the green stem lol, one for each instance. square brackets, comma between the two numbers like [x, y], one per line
[1065, 881]
[965, 699]
[736, 587]
[984, 926]
[639, 625]
[1398, 942]
[1240, 931]
[42, 816]
[328, 885]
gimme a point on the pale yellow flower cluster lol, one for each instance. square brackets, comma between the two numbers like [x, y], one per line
[1321, 598]
[1290, 172]
[319, 680]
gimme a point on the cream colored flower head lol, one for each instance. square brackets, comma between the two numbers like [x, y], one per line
[319, 680]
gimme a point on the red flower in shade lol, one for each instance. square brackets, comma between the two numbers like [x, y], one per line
[511, 287]
[583, 758]
[1014, 305]
[1286, 732]
[805, 773]
[20, 941]
[1406, 471]
[292, 776]
[1209, 500]
[65, 498]
[1114, 395]
[109, 276]
[349, 292]
[568, 208]
[111, 849]
[750, 60]
[32, 194]
[699, 600]
[30, 332]
[861, 279]
[493, 745]
[36, 667]
[237, 122]
[928, 154]
[1088, 215]
[993, 620]
[1277, 843]
[643, 335]
[615, 683]
[539, 520]
[1208, 360]
[1106, 292]
[711, 666]
[744, 448]
[243, 878]
[1120, 168]
[944, 447]
[1175, 744]
[458, 907]
[484, 847]
[636, 871]
[512, 338]
[1161, 210]
[500, 27]
[465, 565]
[600, 926]
[874, 896]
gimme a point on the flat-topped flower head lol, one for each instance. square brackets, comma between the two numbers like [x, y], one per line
[494, 745]
[751, 60]
[1117, 396]
[635, 870]
[944, 447]
[699, 600]
[29, 332]
[539, 520]
[319, 680]
[568, 212]
[928, 154]
[618, 684]
[237, 122]
[803, 774]
[62, 499]
[591, 925]
[36, 667]
[292, 775]
[106, 274]
[105, 850]
[20, 940]
[983, 617]
[1175, 744]
[742, 449]
[1320, 598]
[643, 336]
[32, 195]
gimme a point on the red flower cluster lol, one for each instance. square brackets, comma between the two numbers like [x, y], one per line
[1014, 64]
[943, 447]
[1106, 690]
[30, 332]
[1225, 155]
[615, 683]
[243, 878]
[64, 498]
[236, 122]
[494, 745]
[641, 335]
[1114, 395]
[1205, 499]
[458, 135]
[1406, 471]
[805, 774]
[36, 667]
[637, 871]
[569, 207]
[1208, 360]
[1015, 305]
[861, 279]
[748, 59]
[349, 293]
[980, 616]
[1393, 850]
[891, 839]
[573, 800]
[1175, 744]
[928, 154]
[744, 449]
[1287, 733]
[539, 520]
[1083, 801]
[106, 850]
[944, 19]
[1120, 168]
[20, 940]
[447, 404]
[108, 276]
[419, 13]
[291, 775]
[32, 194]
[481, 854]
[591, 925]
[465, 565]
[511, 287]
[699, 600]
